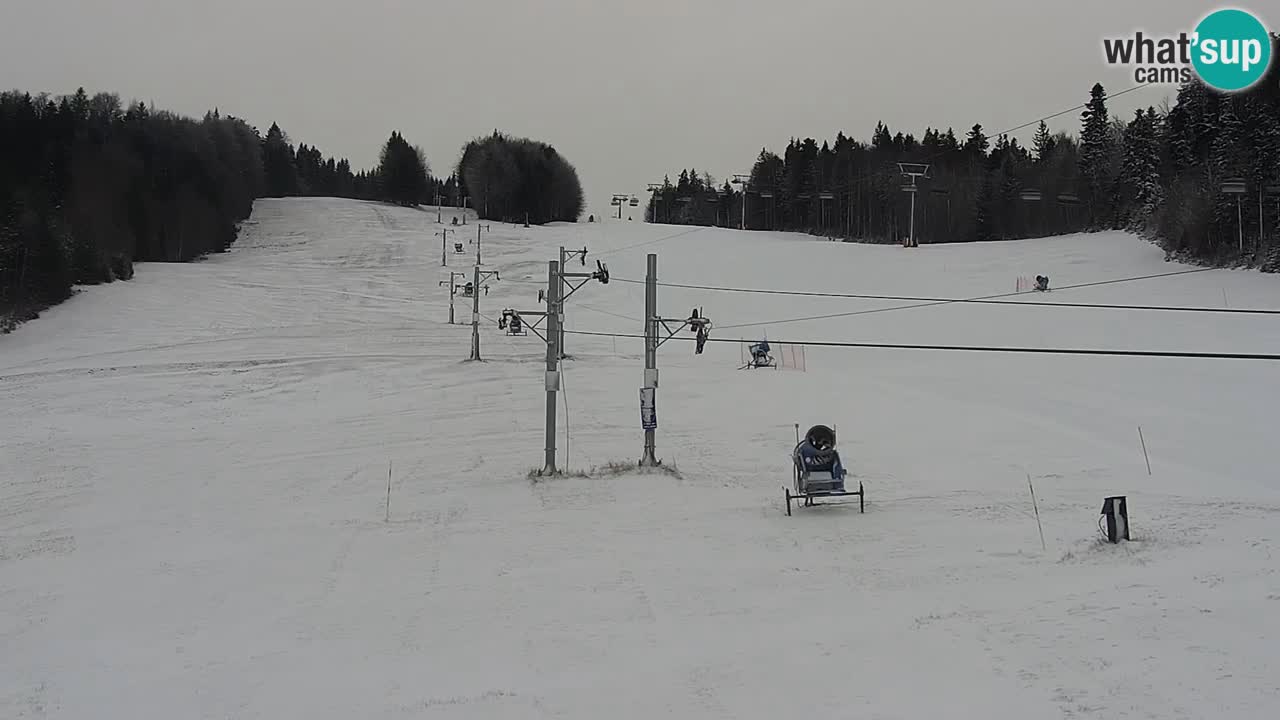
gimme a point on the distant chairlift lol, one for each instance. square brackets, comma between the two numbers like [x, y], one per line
[1042, 283]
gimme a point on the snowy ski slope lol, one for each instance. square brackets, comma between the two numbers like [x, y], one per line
[193, 487]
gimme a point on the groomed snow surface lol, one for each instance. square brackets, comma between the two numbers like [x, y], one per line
[193, 487]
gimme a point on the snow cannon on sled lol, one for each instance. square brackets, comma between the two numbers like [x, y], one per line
[760, 356]
[817, 471]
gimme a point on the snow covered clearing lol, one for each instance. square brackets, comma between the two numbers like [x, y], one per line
[193, 487]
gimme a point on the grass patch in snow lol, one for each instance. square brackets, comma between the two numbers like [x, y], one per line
[613, 468]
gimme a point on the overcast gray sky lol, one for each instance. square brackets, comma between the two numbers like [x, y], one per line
[627, 91]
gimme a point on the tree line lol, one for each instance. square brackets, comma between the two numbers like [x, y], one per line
[1162, 173]
[519, 180]
[89, 186]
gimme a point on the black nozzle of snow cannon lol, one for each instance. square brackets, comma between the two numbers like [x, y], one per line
[820, 435]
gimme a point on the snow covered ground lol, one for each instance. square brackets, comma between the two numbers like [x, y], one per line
[195, 464]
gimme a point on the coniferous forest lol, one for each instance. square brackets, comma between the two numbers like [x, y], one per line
[89, 186]
[519, 180]
[1159, 173]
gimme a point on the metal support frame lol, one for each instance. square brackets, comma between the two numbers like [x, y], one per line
[554, 297]
[745, 182]
[697, 321]
[1270, 191]
[475, 307]
[620, 199]
[553, 361]
[913, 171]
[552, 374]
[581, 256]
[1236, 186]
[453, 289]
[444, 244]
[653, 190]
[479, 227]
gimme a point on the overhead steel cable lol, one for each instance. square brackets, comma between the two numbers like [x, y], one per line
[985, 300]
[979, 348]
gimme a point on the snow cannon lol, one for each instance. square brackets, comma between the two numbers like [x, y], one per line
[817, 461]
[817, 471]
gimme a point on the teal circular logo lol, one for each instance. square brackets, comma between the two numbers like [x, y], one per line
[1231, 50]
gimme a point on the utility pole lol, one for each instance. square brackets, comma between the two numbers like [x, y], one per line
[649, 391]
[553, 361]
[478, 227]
[475, 308]
[512, 321]
[1236, 186]
[744, 181]
[653, 203]
[696, 321]
[620, 199]
[453, 290]
[913, 171]
[444, 233]
[601, 274]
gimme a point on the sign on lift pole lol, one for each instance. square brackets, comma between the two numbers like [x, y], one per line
[913, 171]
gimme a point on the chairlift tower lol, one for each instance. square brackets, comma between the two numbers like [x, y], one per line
[913, 171]
[745, 182]
[553, 296]
[444, 244]
[601, 274]
[453, 289]
[1270, 191]
[475, 307]
[1235, 186]
[823, 197]
[697, 322]
[653, 189]
[479, 227]
[624, 199]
